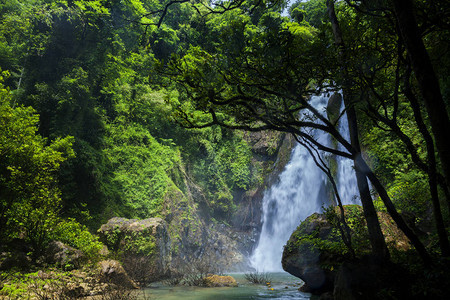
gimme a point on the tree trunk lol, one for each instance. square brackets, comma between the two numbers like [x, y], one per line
[379, 248]
[427, 80]
[401, 224]
[431, 171]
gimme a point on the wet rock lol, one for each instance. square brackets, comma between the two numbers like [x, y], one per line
[309, 254]
[334, 108]
[303, 259]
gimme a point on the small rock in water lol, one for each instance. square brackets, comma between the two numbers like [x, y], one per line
[220, 281]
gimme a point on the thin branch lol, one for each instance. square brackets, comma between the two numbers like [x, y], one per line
[345, 232]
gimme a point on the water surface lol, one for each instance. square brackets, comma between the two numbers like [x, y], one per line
[284, 286]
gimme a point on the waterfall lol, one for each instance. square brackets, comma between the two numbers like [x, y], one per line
[346, 178]
[299, 192]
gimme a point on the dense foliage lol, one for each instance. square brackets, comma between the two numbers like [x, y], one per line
[30, 198]
[83, 88]
[93, 92]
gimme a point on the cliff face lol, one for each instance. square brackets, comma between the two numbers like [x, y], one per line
[271, 153]
[187, 232]
[196, 234]
[193, 236]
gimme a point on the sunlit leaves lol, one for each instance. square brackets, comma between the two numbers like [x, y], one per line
[29, 196]
[142, 166]
[301, 31]
[95, 6]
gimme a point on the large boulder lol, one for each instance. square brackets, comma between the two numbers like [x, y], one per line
[303, 258]
[64, 256]
[316, 254]
[143, 244]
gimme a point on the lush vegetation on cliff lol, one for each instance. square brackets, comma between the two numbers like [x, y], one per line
[93, 94]
[89, 73]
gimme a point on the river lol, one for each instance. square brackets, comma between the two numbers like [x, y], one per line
[283, 286]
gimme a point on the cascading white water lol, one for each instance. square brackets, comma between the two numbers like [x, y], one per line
[299, 193]
[346, 179]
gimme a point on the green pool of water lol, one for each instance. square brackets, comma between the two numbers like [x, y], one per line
[284, 286]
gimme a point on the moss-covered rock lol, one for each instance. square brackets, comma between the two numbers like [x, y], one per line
[305, 256]
[315, 251]
[271, 152]
[64, 256]
[141, 243]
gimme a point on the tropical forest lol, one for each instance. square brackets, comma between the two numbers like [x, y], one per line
[224, 149]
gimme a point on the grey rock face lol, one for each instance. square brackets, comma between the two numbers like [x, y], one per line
[334, 107]
[64, 256]
[144, 244]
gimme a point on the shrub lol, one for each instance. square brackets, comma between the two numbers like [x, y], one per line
[76, 235]
[258, 278]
